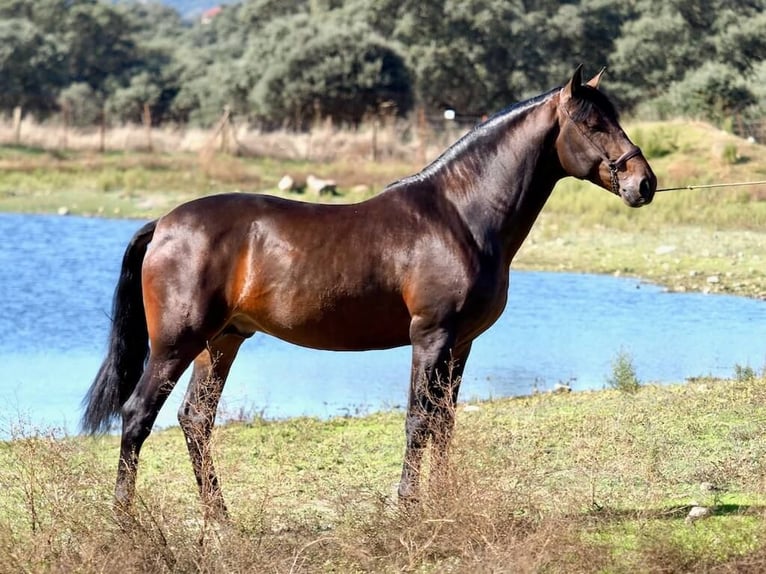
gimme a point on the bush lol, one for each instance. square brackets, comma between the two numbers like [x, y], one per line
[713, 92]
[623, 377]
[656, 143]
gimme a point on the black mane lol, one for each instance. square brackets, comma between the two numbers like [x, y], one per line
[481, 133]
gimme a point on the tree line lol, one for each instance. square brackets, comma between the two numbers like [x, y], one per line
[288, 63]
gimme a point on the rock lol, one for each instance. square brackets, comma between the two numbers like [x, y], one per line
[665, 249]
[287, 183]
[63, 210]
[321, 186]
[562, 388]
[712, 279]
[698, 513]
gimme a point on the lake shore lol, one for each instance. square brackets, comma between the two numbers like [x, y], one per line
[599, 481]
[603, 481]
[710, 240]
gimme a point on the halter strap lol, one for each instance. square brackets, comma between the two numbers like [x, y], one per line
[614, 166]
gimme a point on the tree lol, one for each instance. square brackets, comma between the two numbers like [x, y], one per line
[99, 44]
[713, 92]
[30, 65]
[325, 66]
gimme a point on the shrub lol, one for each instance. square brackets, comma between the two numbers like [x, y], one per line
[729, 154]
[656, 143]
[623, 377]
[744, 374]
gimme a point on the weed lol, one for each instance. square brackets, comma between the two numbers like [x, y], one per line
[576, 482]
[623, 377]
[655, 142]
[730, 154]
[744, 374]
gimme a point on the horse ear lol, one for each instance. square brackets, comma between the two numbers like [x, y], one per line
[574, 84]
[594, 81]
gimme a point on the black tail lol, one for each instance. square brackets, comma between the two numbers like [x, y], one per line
[128, 341]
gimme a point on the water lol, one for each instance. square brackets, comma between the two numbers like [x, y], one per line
[57, 276]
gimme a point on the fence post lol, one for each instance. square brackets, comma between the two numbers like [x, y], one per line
[422, 131]
[375, 124]
[102, 130]
[17, 125]
[147, 120]
[65, 120]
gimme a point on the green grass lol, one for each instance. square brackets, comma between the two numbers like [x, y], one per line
[705, 240]
[582, 482]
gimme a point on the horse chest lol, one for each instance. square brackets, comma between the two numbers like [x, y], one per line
[484, 303]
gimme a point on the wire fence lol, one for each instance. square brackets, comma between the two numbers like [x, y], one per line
[417, 138]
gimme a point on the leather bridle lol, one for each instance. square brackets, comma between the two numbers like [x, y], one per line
[614, 166]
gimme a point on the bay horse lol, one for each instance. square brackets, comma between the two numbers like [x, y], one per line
[424, 263]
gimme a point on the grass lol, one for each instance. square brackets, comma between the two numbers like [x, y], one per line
[704, 240]
[581, 482]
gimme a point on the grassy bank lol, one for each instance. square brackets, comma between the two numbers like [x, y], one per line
[583, 482]
[708, 240]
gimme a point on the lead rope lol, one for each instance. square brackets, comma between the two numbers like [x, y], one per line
[709, 185]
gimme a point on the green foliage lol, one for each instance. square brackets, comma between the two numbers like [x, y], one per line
[655, 143]
[730, 154]
[287, 62]
[326, 66]
[744, 374]
[623, 377]
[30, 62]
[83, 106]
[712, 91]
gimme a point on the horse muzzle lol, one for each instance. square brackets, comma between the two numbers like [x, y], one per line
[638, 192]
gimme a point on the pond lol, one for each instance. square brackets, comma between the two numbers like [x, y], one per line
[57, 276]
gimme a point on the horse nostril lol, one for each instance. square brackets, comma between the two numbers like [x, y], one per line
[645, 189]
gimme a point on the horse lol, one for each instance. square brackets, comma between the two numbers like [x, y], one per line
[425, 263]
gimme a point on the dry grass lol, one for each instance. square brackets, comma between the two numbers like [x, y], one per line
[586, 482]
[392, 140]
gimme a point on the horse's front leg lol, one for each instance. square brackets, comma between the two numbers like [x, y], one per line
[442, 423]
[434, 381]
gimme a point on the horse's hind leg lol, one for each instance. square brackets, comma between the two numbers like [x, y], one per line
[197, 416]
[139, 413]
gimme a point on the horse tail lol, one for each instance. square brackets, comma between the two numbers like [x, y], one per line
[128, 346]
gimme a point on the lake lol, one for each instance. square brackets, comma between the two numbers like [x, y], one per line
[57, 276]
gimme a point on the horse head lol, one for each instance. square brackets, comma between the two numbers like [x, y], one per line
[592, 145]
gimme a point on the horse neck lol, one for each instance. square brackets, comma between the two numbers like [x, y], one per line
[500, 177]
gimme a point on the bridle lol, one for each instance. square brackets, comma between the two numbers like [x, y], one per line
[614, 166]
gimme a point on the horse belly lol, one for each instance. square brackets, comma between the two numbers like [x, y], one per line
[336, 323]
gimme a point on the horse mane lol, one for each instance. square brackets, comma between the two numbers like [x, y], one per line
[589, 99]
[483, 133]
